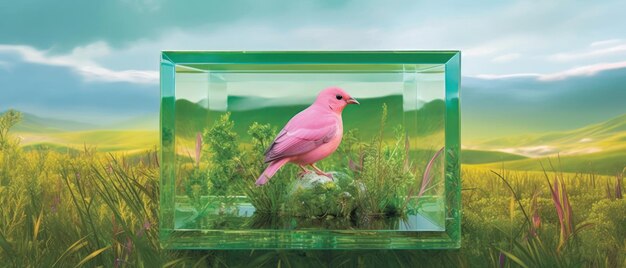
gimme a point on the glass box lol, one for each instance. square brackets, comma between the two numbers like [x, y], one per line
[370, 163]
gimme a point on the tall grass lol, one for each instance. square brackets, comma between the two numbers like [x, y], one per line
[76, 210]
[91, 209]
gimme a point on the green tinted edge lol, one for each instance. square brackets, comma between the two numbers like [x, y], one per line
[309, 57]
[453, 144]
[167, 134]
[267, 239]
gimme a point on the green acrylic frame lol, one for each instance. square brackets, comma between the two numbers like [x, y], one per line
[172, 238]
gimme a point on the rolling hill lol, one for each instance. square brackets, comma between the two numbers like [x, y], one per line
[606, 162]
[35, 124]
[599, 148]
[481, 157]
[604, 136]
[588, 134]
[35, 132]
[103, 140]
[31, 123]
[145, 122]
[364, 117]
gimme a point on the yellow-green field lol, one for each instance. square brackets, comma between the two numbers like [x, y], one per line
[90, 198]
[129, 141]
[90, 209]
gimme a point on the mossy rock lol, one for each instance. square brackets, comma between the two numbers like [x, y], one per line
[315, 195]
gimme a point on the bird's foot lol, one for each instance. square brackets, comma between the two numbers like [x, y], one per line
[303, 173]
[318, 171]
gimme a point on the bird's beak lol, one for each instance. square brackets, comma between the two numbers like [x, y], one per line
[352, 101]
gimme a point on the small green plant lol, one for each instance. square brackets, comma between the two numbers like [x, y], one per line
[270, 198]
[224, 170]
[10, 154]
[382, 178]
[7, 120]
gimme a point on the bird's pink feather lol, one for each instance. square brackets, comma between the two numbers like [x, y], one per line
[271, 170]
[304, 132]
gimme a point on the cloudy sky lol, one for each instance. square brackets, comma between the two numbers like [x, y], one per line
[88, 59]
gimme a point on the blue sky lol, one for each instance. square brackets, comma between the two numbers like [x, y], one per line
[90, 60]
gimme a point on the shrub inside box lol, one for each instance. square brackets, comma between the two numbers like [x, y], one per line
[396, 182]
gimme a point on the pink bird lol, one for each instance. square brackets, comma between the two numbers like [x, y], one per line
[310, 136]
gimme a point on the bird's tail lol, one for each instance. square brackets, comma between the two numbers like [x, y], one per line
[270, 171]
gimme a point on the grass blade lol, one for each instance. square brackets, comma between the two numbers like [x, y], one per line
[91, 256]
[73, 248]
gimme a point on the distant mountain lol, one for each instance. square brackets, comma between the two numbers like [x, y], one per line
[242, 103]
[36, 124]
[146, 122]
[31, 123]
[511, 106]
[599, 148]
[364, 117]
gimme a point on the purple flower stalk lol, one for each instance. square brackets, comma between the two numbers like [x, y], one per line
[198, 148]
[426, 179]
[535, 218]
[618, 187]
[563, 210]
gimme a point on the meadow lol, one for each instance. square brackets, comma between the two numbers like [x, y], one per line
[85, 208]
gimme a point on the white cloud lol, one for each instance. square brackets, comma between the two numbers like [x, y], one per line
[82, 61]
[587, 70]
[97, 73]
[484, 34]
[504, 76]
[507, 57]
[598, 49]
[137, 62]
[605, 42]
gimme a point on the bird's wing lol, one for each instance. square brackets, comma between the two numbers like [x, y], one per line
[302, 134]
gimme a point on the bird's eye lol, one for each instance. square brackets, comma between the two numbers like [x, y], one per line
[339, 97]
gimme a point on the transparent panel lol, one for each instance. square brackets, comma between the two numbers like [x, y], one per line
[392, 181]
